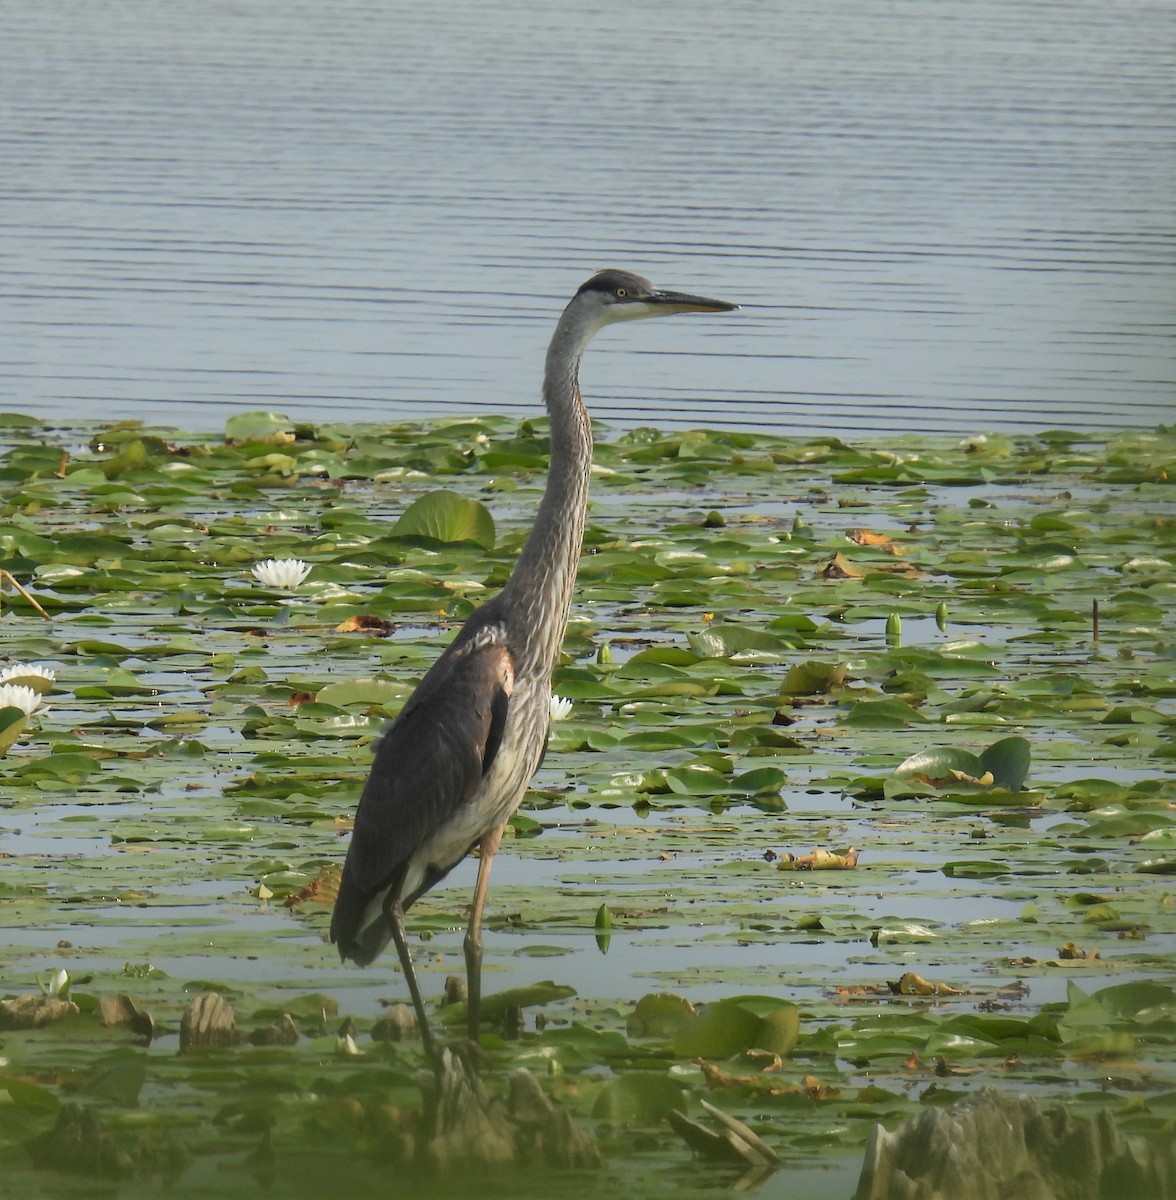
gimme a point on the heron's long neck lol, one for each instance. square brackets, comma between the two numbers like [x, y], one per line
[539, 591]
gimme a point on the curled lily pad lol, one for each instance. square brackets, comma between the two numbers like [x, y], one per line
[12, 724]
[1008, 762]
[661, 1014]
[638, 1097]
[813, 678]
[258, 427]
[729, 1027]
[444, 516]
[1002, 767]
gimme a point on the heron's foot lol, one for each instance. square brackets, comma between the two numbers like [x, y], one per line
[464, 1123]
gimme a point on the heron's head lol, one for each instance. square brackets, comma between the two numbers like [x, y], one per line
[622, 296]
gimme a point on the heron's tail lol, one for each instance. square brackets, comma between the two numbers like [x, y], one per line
[358, 925]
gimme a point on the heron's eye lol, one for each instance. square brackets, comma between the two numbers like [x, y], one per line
[621, 293]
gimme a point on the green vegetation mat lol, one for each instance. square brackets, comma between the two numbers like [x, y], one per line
[866, 798]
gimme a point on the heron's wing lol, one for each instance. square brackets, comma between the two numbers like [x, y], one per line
[428, 764]
[432, 759]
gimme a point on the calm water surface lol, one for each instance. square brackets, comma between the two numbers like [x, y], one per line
[939, 215]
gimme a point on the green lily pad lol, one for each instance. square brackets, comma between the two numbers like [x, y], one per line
[12, 724]
[639, 1098]
[444, 516]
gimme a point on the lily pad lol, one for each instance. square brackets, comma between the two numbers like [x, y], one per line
[445, 516]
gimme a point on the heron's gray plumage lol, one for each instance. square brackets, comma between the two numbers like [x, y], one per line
[456, 761]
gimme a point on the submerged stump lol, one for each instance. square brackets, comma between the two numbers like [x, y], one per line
[464, 1126]
[993, 1146]
[208, 1022]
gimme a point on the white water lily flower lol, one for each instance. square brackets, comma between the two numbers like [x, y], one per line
[281, 572]
[561, 709]
[45, 676]
[15, 695]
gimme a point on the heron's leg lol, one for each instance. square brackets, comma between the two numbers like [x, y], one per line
[473, 937]
[394, 914]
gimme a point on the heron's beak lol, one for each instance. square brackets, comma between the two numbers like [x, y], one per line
[676, 302]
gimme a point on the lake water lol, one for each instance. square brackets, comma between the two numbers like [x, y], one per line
[940, 215]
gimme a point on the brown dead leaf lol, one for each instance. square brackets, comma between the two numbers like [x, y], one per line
[943, 1067]
[985, 780]
[857, 990]
[819, 860]
[717, 1078]
[322, 889]
[767, 1061]
[915, 985]
[810, 1086]
[867, 537]
[954, 776]
[814, 1089]
[839, 567]
[365, 623]
[1069, 952]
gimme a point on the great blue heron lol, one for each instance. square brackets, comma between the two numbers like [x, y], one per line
[454, 764]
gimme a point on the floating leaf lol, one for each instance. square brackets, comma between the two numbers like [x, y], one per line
[12, 724]
[25, 1094]
[975, 869]
[638, 1097]
[660, 1014]
[496, 1005]
[1008, 762]
[362, 691]
[912, 984]
[813, 678]
[883, 714]
[719, 1031]
[444, 516]
[779, 1030]
[931, 769]
[729, 1027]
[257, 427]
[819, 860]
